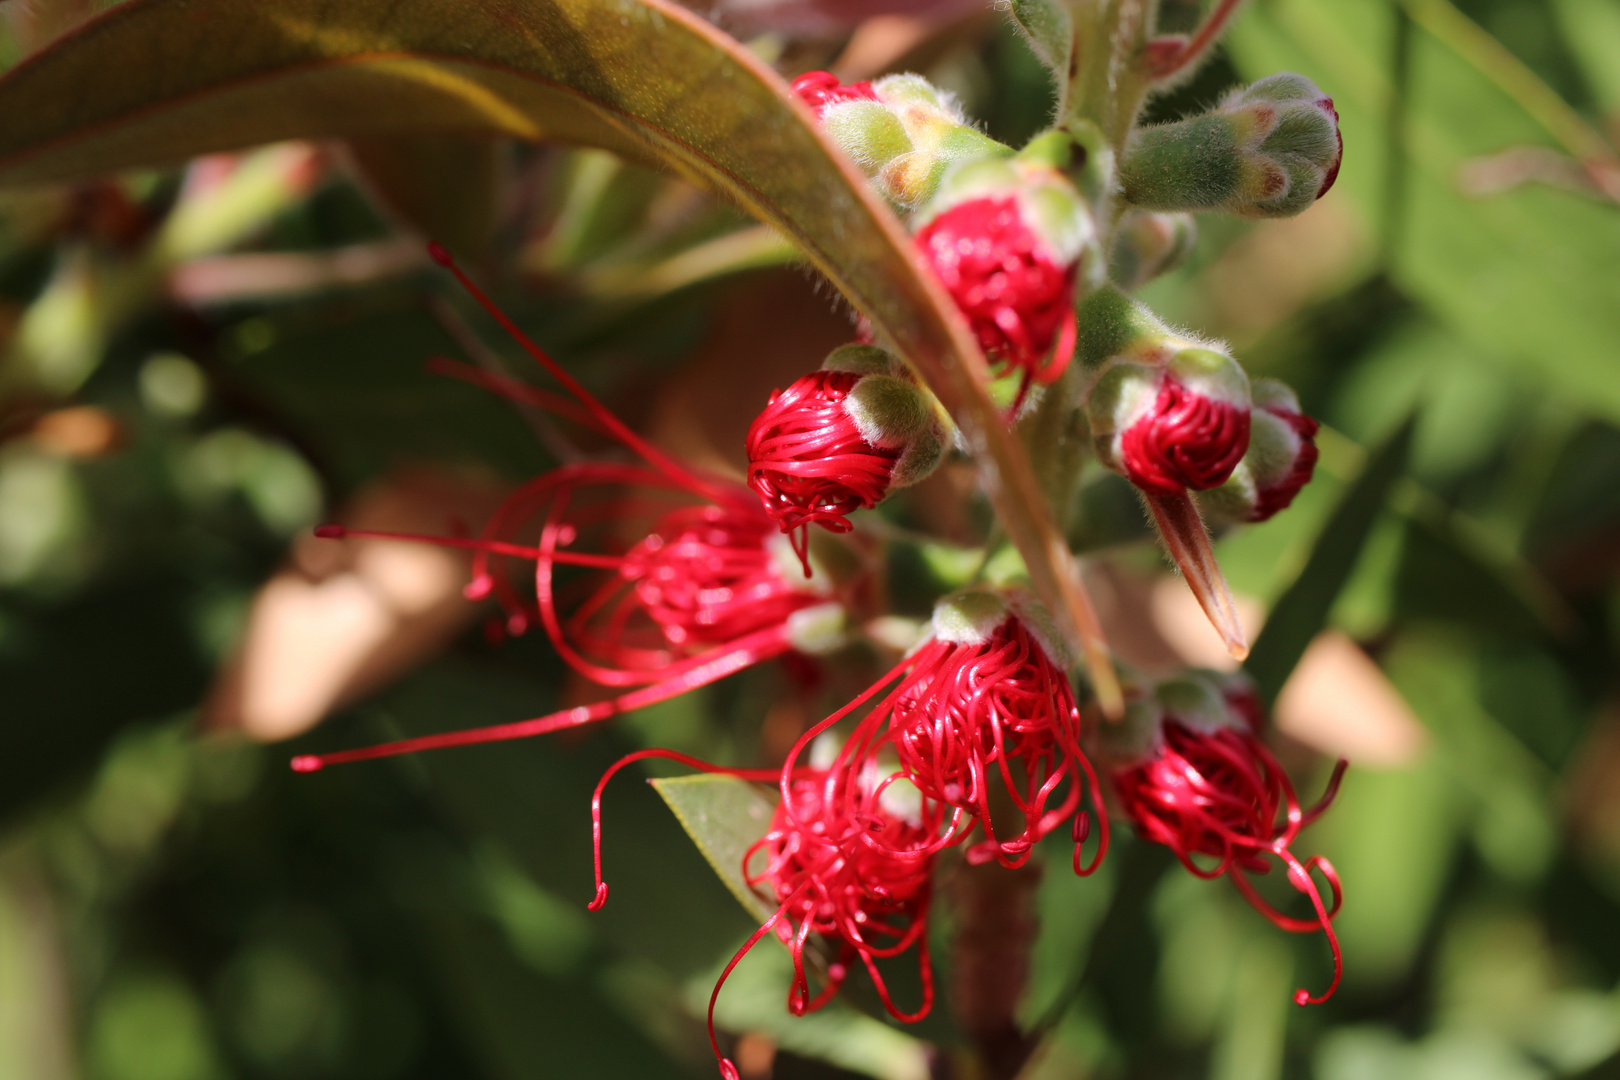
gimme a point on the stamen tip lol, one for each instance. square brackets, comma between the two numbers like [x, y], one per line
[728, 1071]
[330, 532]
[1302, 997]
[601, 898]
[307, 763]
[439, 254]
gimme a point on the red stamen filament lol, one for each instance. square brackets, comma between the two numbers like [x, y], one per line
[1223, 795]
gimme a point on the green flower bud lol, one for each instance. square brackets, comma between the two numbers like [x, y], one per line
[902, 131]
[1281, 460]
[1147, 245]
[1270, 150]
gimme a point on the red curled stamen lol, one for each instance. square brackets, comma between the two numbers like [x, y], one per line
[1186, 440]
[1221, 795]
[808, 461]
[1017, 298]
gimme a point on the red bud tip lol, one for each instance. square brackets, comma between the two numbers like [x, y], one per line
[601, 898]
[1332, 173]
[438, 253]
[330, 532]
[306, 763]
[819, 89]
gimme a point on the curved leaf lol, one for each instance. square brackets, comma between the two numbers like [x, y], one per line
[159, 80]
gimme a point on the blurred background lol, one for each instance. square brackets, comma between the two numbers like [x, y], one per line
[200, 364]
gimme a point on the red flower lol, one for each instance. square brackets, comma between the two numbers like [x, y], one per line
[809, 462]
[1015, 292]
[698, 597]
[1210, 791]
[1185, 440]
[837, 862]
[819, 89]
[980, 706]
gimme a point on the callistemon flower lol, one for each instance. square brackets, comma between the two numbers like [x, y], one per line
[1191, 772]
[1183, 425]
[1280, 461]
[1007, 240]
[839, 440]
[709, 587]
[847, 857]
[983, 717]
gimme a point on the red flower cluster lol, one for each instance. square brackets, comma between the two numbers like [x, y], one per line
[1186, 440]
[1016, 295]
[699, 596]
[850, 851]
[1211, 792]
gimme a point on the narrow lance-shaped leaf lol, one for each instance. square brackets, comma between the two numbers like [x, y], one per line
[1304, 608]
[724, 816]
[154, 81]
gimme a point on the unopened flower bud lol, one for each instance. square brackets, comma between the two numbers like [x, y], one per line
[1270, 150]
[1280, 461]
[1008, 240]
[902, 131]
[1168, 429]
[1147, 245]
[839, 440]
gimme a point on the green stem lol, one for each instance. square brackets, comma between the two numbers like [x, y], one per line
[1492, 59]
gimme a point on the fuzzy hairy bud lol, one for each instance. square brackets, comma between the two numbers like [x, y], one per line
[901, 130]
[1148, 244]
[1280, 461]
[1268, 150]
[1170, 428]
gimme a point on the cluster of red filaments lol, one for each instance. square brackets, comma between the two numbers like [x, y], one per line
[836, 862]
[1277, 496]
[820, 89]
[1220, 801]
[695, 595]
[808, 461]
[1016, 296]
[971, 715]
[1186, 440]
[971, 722]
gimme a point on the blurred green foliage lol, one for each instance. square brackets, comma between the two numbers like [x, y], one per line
[178, 906]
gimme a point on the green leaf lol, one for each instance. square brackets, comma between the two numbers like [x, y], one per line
[1303, 609]
[154, 81]
[725, 817]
